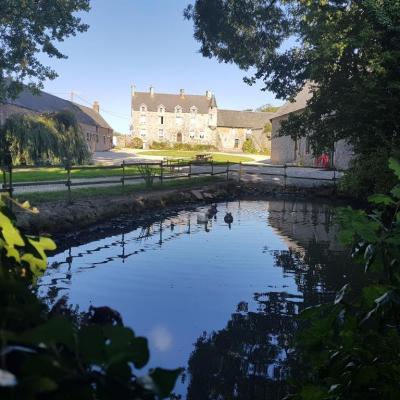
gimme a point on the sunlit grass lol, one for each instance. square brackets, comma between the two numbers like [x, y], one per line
[59, 174]
[190, 154]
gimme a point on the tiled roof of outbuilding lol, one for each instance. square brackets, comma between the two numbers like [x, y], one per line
[170, 101]
[48, 103]
[299, 102]
[243, 119]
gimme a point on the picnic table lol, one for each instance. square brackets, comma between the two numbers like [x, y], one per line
[203, 157]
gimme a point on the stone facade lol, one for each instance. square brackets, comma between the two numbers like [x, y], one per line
[284, 150]
[194, 120]
[98, 134]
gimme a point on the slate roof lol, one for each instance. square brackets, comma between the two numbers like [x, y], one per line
[45, 103]
[299, 102]
[243, 119]
[170, 101]
[94, 115]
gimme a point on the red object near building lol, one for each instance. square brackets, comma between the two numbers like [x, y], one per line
[323, 161]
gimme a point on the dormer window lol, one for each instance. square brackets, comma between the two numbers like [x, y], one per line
[178, 115]
[143, 108]
[161, 109]
[193, 114]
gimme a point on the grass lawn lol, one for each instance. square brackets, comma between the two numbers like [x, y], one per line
[217, 157]
[110, 191]
[59, 174]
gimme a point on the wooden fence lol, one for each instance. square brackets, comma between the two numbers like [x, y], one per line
[164, 170]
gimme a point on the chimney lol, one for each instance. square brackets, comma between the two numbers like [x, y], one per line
[133, 88]
[209, 94]
[151, 91]
[182, 93]
[96, 106]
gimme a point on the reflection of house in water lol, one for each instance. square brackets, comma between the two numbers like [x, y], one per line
[299, 222]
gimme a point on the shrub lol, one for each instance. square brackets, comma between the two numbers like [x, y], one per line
[349, 348]
[248, 147]
[137, 143]
[182, 146]
[160, 146]
[367, 175]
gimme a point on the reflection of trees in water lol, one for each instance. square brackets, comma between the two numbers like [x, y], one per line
[252, 356]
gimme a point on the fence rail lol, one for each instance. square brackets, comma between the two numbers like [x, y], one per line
[163, 170]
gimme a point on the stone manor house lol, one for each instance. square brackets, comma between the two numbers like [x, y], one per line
[194, 119]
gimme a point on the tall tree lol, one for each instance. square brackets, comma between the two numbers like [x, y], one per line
[349, 50]
[30, 27]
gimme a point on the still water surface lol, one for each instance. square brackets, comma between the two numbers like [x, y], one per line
[220, 301]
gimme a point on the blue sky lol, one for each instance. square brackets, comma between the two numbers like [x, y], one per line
[144, 42]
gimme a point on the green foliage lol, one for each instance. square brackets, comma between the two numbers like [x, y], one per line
[248, 147]
[137, 143]
[29, 28]
[350, 348]
[61, 354]
[44, 139]
[268, 108]
[148, 173]
[369, 174]
[347, 52]
[181, 146]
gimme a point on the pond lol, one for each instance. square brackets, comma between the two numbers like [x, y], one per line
[219, 300]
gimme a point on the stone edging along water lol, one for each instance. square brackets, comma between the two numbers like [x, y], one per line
[61, 217]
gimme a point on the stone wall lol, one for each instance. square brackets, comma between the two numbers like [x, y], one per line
[284, 150]
[97, 137]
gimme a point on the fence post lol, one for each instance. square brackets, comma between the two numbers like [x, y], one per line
[285, 176]
[212, 168]
[227, 171]
[334, 179]
[123, 174]
[161, 173]
[10, 181]
[240, 171]
[69, 183]
[190, 169]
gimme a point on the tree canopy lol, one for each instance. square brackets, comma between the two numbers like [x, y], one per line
[268, 108]
[28, 28]
[348, 51]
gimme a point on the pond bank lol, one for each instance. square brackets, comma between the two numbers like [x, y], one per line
[62, 217]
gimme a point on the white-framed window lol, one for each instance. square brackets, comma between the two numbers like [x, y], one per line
[210, 118]
[161, 133]
[143, 132]
[143, 108]
[202, 135]
[161, 109]
[192, 134]
[236, 145]
[161, 119]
